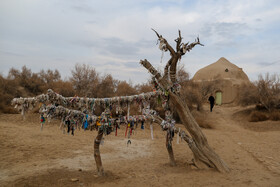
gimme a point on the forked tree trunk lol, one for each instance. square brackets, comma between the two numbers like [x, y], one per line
[97, 156]
[204, 155]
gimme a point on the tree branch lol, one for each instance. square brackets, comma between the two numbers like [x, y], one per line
[166, 69]
[170, 49]
[162, 80]
[173, 68]
[164, 41]
[181, 50]
[150, 68]
[159, 36]
[178, 41]
[187, 47]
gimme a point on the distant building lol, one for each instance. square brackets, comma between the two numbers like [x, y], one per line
[226, 78]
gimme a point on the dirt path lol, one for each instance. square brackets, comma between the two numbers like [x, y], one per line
[262, 146]
[30, 157]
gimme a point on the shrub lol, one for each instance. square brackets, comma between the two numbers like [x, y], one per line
[265, 92]
[256, 116]
[275, 116]
[202, 119]
[191, 95]
[203, 123]
[248, 95]
[269, 90]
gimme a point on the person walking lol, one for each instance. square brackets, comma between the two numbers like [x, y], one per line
[142, 123]
[211, 99]
[43, 120]
[68, 123]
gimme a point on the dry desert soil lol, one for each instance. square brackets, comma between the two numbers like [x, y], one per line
[30, 157]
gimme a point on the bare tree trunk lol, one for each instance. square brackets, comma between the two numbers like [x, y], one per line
[170, 149]
[97, 156]
[204, 153]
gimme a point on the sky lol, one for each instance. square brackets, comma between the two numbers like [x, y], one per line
[114, 35]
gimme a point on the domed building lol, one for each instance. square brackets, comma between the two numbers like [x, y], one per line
[226, 78]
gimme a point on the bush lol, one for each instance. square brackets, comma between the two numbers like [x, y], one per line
[265, 92]
[203, 123]
[260, 107]
[248, 95]
[202, 119]
[275, 116]
[256, 116]
[191, 95]
[269, 91]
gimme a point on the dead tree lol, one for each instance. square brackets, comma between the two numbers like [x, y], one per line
[204, 155]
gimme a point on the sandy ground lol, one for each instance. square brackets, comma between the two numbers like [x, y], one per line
[30, 157]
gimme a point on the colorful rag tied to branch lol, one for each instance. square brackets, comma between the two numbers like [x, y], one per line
[24, 104]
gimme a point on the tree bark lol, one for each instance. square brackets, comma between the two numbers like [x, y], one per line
[170, 149]
[97, 156]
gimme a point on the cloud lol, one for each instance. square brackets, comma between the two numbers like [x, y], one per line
[265, 64]
[114, 35]
[116, 46]
[85, 43]
[11, 54]
[132, 64]
[83, 8]
[228, 30]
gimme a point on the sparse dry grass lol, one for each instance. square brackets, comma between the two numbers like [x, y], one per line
[275, 116]
[203, 123]
[202, 119]
[256, 116]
